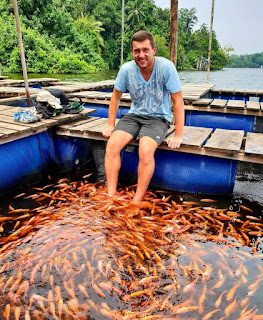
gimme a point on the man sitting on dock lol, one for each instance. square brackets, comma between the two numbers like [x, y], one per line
[151, 81]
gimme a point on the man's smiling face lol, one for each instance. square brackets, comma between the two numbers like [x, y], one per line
[143, 54]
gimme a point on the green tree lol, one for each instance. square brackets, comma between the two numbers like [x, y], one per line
[188, 19]
[89, 25]
[135, 14]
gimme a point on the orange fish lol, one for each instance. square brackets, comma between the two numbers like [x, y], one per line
[231, 308]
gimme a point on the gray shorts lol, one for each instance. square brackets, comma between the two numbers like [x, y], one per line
[140, 126]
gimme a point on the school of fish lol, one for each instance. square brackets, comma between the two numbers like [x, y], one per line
[81, 255]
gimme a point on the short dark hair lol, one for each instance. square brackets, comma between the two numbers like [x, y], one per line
[141, 36]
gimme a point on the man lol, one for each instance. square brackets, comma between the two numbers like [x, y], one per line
[151, 81]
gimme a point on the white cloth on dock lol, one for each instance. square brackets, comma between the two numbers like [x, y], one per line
[46, 96]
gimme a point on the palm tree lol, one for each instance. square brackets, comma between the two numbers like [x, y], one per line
[135, 11]
[188, 19]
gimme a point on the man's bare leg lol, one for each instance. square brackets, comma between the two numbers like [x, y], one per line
[117, 141]
[147, 147]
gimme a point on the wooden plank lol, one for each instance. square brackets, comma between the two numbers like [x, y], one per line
[218, 103]
[254, 144]
[193, 91]
[88, 126]
[67, 117]
[251, 92]
[225, 140]
[3, 107]
[80, 86]
[40, 81]
[7, 132]
[194, 136]
[10, 110]
[215, 90]
[14, 126]
[194, 147]
[227, 90]
[90, 94]
[239, 91]
[236, 104]
[7, 91]
[34, 126]
[73, 124]
[99, 127]
[253, 105]
[202, 102]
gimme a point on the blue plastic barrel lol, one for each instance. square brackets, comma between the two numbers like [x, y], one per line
[102, 110]
[184, 172]
[25, 159]
[219, 120]
[71, 153]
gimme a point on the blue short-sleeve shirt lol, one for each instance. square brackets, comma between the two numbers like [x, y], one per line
[150, 97]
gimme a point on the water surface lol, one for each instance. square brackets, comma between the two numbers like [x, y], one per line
[244, 78]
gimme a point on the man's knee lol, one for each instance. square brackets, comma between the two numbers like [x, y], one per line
[146, 154]
[114, 146]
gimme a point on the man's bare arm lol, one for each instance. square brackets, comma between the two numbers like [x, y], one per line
[113, 109]
[176, 140]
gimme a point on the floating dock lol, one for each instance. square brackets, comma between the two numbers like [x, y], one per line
[228, 144]
[11, 130]
[218, 134]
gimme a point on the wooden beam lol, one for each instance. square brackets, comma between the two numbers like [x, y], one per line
[22, 54]
[173, 31]
[210, 41]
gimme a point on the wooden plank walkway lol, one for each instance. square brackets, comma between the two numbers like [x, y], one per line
[11, 130]
[194, 91]
[202, 102]
[40, 81]
[253, 105]
[240, 92]
[229, 141]
[70, 87]
[221, 143]
[190, 92]
[16, 91]
[236, 104]
[217, 105]
[254, 144]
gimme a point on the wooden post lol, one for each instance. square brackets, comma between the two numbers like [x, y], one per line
[22, 54]
[173, 31]
[122, 29]
[210, 41]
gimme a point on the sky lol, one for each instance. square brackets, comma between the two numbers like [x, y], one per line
[237, 23]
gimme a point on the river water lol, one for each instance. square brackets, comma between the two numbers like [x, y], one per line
[227, 78]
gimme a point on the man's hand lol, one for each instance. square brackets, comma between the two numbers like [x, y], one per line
[108, 131]
[174, 142]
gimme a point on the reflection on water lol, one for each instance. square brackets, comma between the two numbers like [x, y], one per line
[227, 78]
[80, 255]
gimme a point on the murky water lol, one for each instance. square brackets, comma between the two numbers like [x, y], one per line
[78, 255]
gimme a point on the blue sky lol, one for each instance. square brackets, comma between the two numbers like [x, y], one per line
[238, 23]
